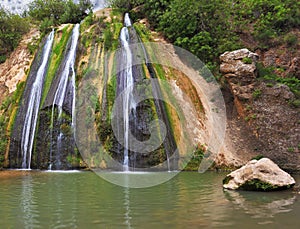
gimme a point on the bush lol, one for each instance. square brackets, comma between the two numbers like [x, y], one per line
[247, 60]
[258, 157]
[55, 12]
[12, 28]
[125, 5]
[291, 39]
[296, 103]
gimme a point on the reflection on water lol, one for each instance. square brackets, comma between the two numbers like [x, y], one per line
[27, 203]
[127, 208]
[190, 200]
[262, 204]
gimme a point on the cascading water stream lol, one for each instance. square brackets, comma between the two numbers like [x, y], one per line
[127, 20]
[61, 90]
[29, 127]
[128, 81]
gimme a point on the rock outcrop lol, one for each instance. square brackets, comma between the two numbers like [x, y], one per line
[261, 117]
[259, 175]
[241, 144]
[239, 68]
[15, 68]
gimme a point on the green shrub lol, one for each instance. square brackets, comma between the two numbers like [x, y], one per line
[258, 157]
[247, 60]
[55, 12]
[291, 39]
[2, 58]
[296, 103]
[12, 28]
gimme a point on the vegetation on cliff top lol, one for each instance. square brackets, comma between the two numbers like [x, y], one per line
[43, 13]
[50, 13]
[208, 29]
[12, 28]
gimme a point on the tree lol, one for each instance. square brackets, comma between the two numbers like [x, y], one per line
[55, 12]
[125, 5]
[12, 27]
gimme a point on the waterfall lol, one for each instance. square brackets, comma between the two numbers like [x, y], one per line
[127, 21]
[29, 127]
[62, 89]
[128, 81]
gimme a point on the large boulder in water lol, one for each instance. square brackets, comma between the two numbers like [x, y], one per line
[259, 175]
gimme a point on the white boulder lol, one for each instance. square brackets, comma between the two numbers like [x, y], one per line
[259, 175]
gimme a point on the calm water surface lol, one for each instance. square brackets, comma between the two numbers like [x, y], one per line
[190, 200]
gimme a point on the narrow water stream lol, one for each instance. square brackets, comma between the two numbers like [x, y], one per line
[33, 106]
[63, 90]
[127, 84]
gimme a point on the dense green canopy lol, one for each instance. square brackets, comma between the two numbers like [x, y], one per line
[209, 27]
[54, 12]
[12, 27]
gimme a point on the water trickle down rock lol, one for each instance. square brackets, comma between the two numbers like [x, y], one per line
[57, 119]
[25, 125]
[139, 115]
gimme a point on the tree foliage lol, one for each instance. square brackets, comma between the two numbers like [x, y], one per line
[12, 27]
[55, 12]
[125, 5]
[208, 28]
[198, 26]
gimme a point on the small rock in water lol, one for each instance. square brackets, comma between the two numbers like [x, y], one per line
[259, 175]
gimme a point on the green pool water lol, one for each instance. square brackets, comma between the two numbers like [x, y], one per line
[31, 199]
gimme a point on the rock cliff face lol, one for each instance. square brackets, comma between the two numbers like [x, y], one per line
[16, 66]
[239, 69]
[264, 111]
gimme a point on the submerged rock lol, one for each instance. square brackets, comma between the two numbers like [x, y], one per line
[259, 175]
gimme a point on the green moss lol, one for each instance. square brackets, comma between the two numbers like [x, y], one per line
[258, 185]
[16, 99]
[227, 179]
[57, 55]
[143, 32]
[247, 60]
[111, 36]
[87, 22]
[8, 111]
[111, 93]
[258, 157]
[195, 160]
